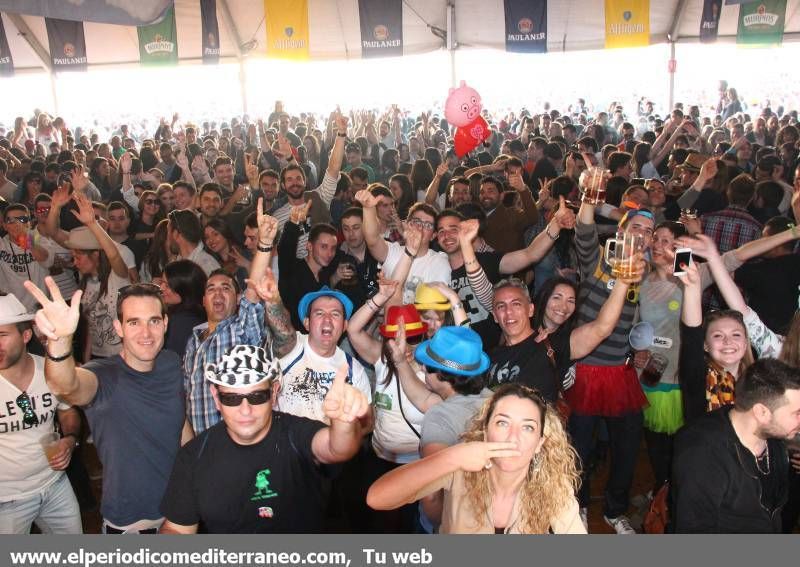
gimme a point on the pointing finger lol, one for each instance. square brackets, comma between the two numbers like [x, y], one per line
[341, 378]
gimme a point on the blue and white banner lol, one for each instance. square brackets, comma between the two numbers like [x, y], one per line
[526, 26]
[381, 28]
[67, 44]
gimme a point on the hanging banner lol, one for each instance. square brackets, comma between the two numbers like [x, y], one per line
[208, 16]
[627, 23]
[121, 13]
[381, 28]
[6, 62]
[67, 44]
[287, 28]
[526, 26]
[761, 23]
[158, 43]
[709, 21]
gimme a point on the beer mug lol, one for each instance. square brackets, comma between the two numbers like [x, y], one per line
[593, 185]
[621, 251]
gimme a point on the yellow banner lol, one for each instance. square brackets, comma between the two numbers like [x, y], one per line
[627, 23]
[287, 28]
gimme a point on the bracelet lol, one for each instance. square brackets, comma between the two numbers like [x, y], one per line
[126, 173]
[73, 435]
[408, 253]
[550, 236]
[267, 248]
[465, 323]
[471, 263]
[372, 305]
[792, 226]
[458, 305]
[340, 135]
[58, 358]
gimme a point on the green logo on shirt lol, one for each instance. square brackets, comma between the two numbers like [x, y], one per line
[262, 486]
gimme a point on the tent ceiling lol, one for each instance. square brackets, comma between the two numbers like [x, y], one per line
[334, 28]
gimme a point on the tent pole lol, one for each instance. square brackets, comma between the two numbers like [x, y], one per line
[54, 92]
[243, 85]
[671, 70]
[451, 40]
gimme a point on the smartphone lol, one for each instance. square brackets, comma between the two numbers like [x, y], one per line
[682, 256]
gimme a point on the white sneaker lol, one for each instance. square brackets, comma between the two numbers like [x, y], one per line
[584, 512]
[621, 525]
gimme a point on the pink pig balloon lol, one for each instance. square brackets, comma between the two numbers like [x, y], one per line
[463, 105]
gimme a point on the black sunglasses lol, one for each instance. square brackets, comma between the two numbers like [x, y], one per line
[151, 201]
[253, 398]
[20, 220]
[28, 415]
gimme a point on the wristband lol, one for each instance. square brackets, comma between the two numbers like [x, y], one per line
[261, 248]
[471, 263]
[126, 173]
[408, 253]
[458, 305]
[58, 358]
[550, 236]
[340, 135]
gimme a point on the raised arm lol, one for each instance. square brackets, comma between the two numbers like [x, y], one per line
[284, 336]
[707, 172]
[365, 344]
[85, 214]
[518, 260]
[432, 192]
[375, 242]
[267, 229]
[58, 321]
[410, 482]
[337, 153]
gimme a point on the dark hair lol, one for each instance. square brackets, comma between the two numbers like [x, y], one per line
[359, 172]
[543, 296]
[212, 188]
[353, 212]
[618, 159]
[188, 280]
[291, 167]
[187, 224]
[224, 272]
[493, 180]
[770, 192]
[156, 257]
[379, 190]
[119, 206]
[139, 290]
[16, 207]
[407, 194]
[741, 190]
[473, 211]
[223, 228]
[425, 208]
[464, 385]
[677, 229]
[765, 382]
[319, 229]
[448, 213]
[251, 221]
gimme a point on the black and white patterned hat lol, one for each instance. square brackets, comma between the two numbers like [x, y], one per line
[243, 366]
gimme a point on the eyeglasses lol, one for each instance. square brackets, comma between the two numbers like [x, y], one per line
[28, 415]
[253, 398]
[151, 201]
[20, 220]
[423, 225]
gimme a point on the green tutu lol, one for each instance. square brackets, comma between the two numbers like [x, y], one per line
[665, 413]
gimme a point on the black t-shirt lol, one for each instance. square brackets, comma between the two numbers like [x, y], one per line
[771, 286]
[527, 363]
[480, 318]
[273, 486]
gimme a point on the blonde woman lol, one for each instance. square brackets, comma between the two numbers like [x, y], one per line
[515, 472]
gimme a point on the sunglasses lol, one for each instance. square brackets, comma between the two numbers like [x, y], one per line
[253, 398]
[20, 220]
[43, 211]
[28, 415]
[151, 201]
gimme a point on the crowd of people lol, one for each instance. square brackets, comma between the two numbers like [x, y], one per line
[303, 324]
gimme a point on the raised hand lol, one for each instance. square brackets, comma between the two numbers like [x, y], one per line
[298, 213]
[472, 457]
[386, 288]
[55, 319]
[266, 287]
[240, 260]
[344, 402]
[701, 245]
[367, 199]
[442, 169]
[398, 345]
[690, 277]
[60, 197]
[85, 212]
[446, 291]
[284, 147]
[125, 162]
[709, 168]
[468, 230]
[267, 225]
[639, 269]
[251, 170]
[199, 166]
[564, 216]
[341, 123]
[79, 182]
[413, 238]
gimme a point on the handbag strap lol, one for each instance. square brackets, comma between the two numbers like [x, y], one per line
[551, 356]
[402, 411]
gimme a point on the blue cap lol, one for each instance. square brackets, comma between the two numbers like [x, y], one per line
[325, 291]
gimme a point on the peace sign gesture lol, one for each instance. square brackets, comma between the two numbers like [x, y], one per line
[55, 319]
[344, 402]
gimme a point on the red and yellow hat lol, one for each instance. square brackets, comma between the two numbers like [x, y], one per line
[411, 321]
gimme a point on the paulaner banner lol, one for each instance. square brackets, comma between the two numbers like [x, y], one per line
[287, 29]
[208, 16]
[6, 62]
[761, 23]
[627, 23]
[381, 27]
[526, 26]
[158, 43]
[67, 45]
[709, 21]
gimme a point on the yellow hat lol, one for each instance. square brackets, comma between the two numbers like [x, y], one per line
[428, 297]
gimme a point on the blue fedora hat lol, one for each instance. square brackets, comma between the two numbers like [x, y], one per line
[456, 350]
[324, 291]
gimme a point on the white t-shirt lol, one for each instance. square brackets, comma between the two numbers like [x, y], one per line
[65, 280]
[16, 266]
[25, 469]
[308, 376]
[127, 255]
[392, 439]
[203, 259]
[101, 313]
[432, 267]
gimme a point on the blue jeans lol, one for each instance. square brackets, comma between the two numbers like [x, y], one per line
[55, 510]
[624, 439]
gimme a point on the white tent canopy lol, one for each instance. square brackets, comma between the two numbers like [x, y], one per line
[335, 34]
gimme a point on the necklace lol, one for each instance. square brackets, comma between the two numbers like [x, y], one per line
[765, 455]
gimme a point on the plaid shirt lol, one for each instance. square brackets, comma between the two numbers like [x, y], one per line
[244, 328]
[731, 227]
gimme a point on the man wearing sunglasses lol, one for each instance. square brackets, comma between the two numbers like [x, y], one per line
[134, 401]
[259, 471]
[21, 257]
[33, 488]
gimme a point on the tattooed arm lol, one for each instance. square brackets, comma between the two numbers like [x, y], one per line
[277, 317]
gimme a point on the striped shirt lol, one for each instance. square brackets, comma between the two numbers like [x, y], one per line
[596, 286]
[326, 191]
[246, 327]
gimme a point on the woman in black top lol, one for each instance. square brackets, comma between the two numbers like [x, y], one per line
[183, 286]
[151, 211]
